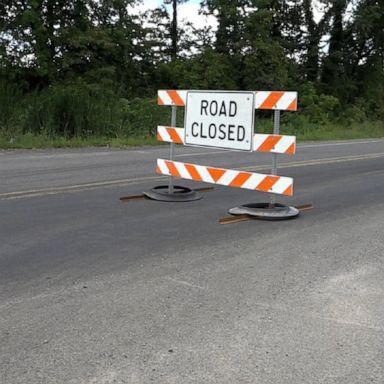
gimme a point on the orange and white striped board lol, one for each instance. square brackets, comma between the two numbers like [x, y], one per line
[274, 143]
[261, 142]
[170, 134]
[273, 100]
[227, 177]
[172, 97]
[276, 100]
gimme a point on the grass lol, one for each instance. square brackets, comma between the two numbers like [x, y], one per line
[87, 115]
[365, 130]
[29, 141]
[307, 132]
[82, 115]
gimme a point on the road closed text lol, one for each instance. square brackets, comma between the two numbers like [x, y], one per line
[223, 120]
[231, 132]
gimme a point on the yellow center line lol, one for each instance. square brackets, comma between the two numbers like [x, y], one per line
[79, 187]
[140, 180]
[329, 160]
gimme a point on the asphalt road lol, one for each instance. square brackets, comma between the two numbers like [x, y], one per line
[97, 291]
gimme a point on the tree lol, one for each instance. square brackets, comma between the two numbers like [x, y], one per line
[333, 70]
[312, 37]
[231, 15]
[174, 30]
[30, 35]
[48, 41]
[366, 54]
[266, 63]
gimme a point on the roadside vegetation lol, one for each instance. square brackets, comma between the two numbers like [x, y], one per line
[85, 73]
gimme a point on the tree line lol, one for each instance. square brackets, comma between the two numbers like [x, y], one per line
[64, 64]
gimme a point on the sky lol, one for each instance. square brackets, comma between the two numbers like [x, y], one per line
[187, 11]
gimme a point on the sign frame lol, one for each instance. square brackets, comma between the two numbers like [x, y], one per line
[248, 134]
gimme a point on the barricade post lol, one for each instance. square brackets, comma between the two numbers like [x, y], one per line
[276, 131]
[172, 146]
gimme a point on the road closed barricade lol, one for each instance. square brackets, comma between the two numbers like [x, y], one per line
[225, 119]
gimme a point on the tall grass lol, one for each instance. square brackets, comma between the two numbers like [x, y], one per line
[82, 114]
[11, 108]
[77, 111]
[304, 129]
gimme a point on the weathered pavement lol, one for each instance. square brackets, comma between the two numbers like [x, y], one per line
[96, 291]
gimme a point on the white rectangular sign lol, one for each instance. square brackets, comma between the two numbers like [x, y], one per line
[220, 119]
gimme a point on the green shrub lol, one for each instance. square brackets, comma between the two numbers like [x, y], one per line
[317, 108]
[71, 111]
[79, 113]
[78, 110]
[11, 107]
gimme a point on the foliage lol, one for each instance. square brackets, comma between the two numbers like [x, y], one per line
[79, 110]
[91, 68]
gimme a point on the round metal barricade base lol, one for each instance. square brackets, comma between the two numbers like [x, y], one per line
[265, 211]
[180, 194]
